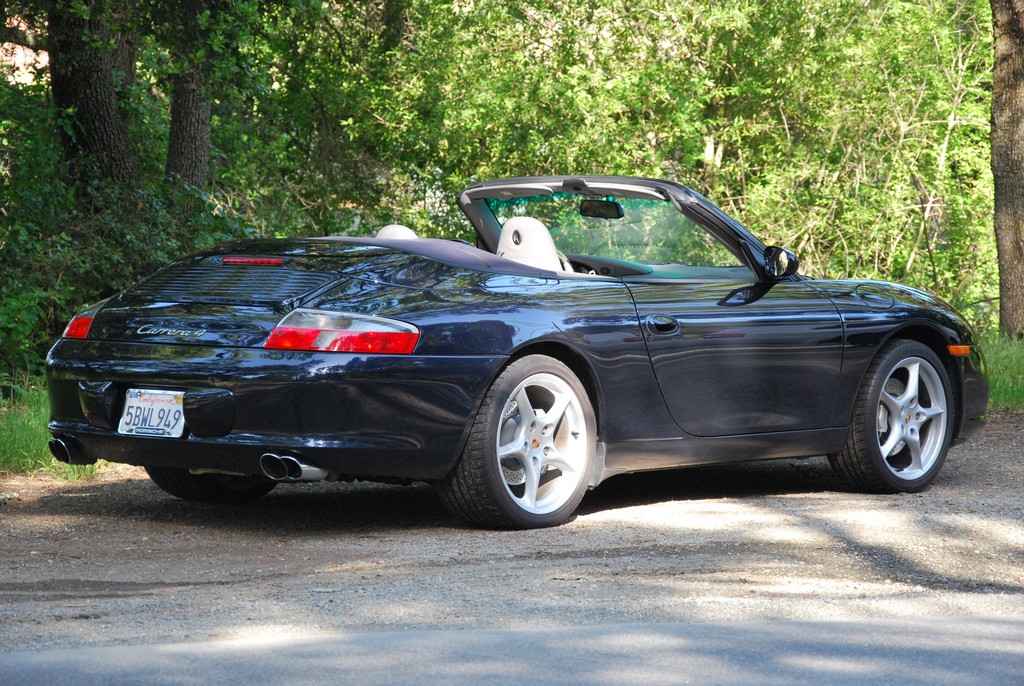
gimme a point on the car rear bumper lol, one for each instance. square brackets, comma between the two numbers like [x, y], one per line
[352, 415]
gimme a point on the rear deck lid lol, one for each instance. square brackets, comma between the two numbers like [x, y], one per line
[240, 279]
[233, 295]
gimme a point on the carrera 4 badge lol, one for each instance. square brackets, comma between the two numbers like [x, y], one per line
[151, 330]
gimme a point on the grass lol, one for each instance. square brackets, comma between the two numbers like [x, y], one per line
[24, 411]
[1005, 358]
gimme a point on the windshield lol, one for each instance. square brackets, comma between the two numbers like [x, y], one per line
[641, 230]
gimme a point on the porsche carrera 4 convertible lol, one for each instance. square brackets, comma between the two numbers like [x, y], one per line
[599, 325]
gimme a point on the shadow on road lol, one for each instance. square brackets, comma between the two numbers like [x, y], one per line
[742, 480]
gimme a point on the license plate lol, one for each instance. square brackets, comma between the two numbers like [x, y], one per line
[153, 413]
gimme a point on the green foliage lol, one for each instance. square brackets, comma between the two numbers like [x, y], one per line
[1005, 358]
[24, 411]
[64, 245]
[854, 133]
[204, 33]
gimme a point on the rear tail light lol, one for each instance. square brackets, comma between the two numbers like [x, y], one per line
[343, 333]
[78, 327]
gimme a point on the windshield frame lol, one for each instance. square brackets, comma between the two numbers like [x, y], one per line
[733, 235]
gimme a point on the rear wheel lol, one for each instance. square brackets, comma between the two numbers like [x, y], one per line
[530, 451]
[902, 422]
[210, 488]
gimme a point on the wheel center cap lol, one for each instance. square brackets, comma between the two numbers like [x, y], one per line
[535, 443]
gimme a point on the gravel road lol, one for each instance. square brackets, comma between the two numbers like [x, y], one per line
[115, 561]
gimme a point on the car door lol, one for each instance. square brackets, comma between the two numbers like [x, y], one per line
[738, 356]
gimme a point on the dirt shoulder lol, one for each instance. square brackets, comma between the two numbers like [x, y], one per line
[115, 560]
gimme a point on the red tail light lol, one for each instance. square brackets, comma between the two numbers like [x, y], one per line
[78, 327]
[343, 333]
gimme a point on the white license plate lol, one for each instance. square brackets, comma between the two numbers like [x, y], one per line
[153, 413]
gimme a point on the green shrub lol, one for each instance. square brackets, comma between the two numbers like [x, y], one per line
[24, 411]
[1005, 357]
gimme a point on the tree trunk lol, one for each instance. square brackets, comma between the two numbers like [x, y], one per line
[123, 64]
[188, 150]
[1008, 160]
[93, 135]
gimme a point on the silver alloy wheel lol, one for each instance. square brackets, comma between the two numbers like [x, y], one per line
[542, 444]
[911, 418]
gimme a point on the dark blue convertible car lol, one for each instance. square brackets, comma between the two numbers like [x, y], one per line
[600, 325]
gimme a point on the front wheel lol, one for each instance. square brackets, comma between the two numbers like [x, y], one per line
[902, 422]
[530, 451]
[209, 488]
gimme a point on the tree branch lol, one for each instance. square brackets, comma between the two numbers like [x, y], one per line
[23, 37]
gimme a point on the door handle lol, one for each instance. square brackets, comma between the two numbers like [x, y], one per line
[661, 325]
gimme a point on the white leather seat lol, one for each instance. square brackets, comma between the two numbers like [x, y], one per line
[396, 231]
[527, 240]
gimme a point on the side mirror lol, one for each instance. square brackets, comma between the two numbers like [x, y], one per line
[780, 263]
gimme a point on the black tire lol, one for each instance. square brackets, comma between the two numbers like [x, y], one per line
[899, 438]
[519, 474]
[209, 488]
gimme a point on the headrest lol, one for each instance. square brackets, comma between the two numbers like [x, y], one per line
[527, 240]
[396, 231]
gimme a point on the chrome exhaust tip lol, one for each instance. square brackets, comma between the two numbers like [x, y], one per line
[288, 468]
[273, 468]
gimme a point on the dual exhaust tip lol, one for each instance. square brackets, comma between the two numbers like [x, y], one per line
[289, 468]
